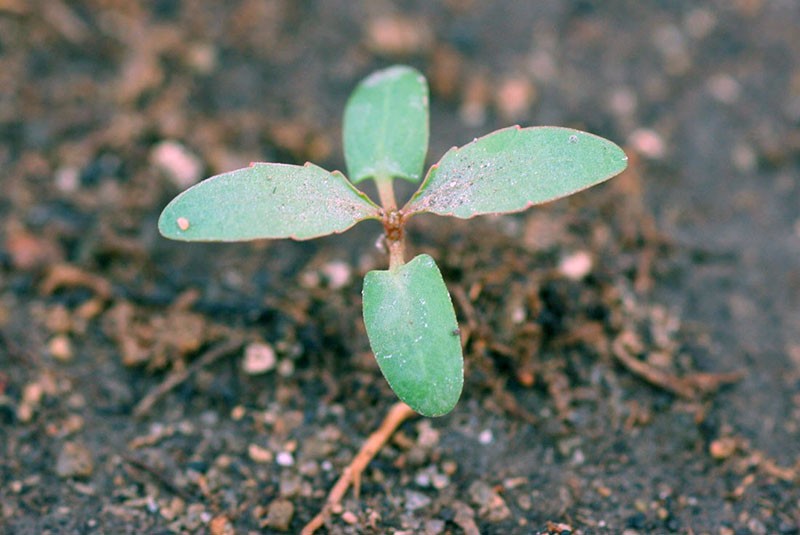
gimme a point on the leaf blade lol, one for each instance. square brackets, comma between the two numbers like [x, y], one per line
[413, 331]
[266, 200]
[385, 127]
[514, 168]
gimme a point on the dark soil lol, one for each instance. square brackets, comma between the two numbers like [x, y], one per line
[594, 328]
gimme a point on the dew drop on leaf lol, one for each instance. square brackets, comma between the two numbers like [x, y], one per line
[573, 138]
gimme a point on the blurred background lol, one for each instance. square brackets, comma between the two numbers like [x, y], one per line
[689, 264]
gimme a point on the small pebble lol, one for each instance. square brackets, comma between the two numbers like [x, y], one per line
[337, 273]
[259, 358]
[398, 36]
[177, 162]
[279, 514]
[576, 266]
[220, 525]
[259, 454]
[648, 143]
[722, 448]
[60, 347]
[284, 458]
[486, 437]
[514, 98]
[74, 460]
[350, 517]
[286, 368]
[434, 526]
[416, 500]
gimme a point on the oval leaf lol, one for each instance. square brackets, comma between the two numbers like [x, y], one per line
[514, 168]
[385, 132]
[266, 200]
[413, 331]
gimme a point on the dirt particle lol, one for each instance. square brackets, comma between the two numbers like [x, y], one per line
[60, 347]
[279, 514]
[183, 223]
[514, 98]
[259, 454]
[398, 36]
[722, 448]
[416, 500]
[350, 517]
[220, 525]
[648, 143]
[74, 460]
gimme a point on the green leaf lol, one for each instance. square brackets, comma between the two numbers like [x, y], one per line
[514, 168]
[413, 331]
[385, 131]
[266, 200]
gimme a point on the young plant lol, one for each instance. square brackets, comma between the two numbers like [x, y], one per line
[408, 313]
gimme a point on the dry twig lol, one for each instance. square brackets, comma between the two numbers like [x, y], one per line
[690, 387]
[178, 377]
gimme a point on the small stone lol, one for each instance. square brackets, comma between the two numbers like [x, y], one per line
[349, 517]
[286, 368]
[291, 484]
[576, 266]
[337, 273]
[416, 500]
[434, 526]
[67, 179]
[284, 458]
[648, 143]
[259, 358]
[177, 162]
[724, 88]
[514, 98]
[722, 448]
[279, 514]
[220, 525]
[60, 347]
[465, 518]
[486, 437]
[259, 454]
[490, 504]
[428, 436]
[398, 36]
[439, 481]
[74, 460]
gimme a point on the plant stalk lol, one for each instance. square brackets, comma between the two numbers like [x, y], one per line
[386, 194]
[392, 223]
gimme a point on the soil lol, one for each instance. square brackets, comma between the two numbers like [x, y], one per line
[632, 353]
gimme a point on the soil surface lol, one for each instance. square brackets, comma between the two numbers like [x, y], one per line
[632, 353]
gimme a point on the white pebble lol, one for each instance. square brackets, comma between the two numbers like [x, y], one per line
[284, 458]
[259, 358]
[648, 143]
[576, 266]
[177, 162]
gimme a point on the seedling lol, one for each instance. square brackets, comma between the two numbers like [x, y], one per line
[408, 313]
